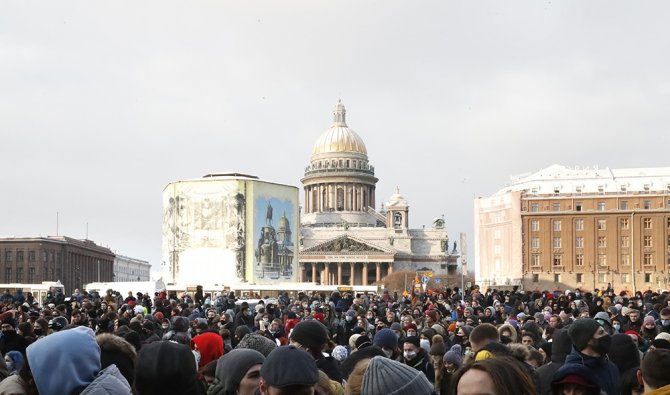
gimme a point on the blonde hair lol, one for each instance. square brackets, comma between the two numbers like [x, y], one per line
[355, 381]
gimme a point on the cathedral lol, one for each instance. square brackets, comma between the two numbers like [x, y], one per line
[344, 240]
[234, 229]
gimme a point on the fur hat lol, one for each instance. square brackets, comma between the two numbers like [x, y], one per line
[115, 350]
[385, 376]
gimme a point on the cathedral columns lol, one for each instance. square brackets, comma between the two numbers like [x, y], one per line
[339, 273]
[314, 269]
[364, 273]
[302, 272]
[325, 279]
[390, 269]
[352, 274]
[378, 272]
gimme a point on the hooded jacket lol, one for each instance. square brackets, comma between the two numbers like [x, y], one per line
[604, 372]
[68, 362]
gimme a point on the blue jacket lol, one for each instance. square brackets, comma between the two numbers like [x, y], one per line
[605, 373]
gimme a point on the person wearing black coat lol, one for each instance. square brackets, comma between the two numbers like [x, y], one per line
[560, 348]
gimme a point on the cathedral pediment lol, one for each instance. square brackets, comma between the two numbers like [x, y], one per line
[345, 245]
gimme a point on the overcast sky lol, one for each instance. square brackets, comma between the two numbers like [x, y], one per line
[104, 103]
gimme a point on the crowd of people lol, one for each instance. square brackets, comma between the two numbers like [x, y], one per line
[449, 341]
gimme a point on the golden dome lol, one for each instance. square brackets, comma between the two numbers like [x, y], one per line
[339, 138]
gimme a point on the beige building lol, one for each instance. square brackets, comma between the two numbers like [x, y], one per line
[344, 239]
[563, 227]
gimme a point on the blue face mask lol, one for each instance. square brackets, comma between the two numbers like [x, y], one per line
[665, 322]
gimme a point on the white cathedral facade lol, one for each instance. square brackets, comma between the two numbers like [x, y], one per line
[344, 239]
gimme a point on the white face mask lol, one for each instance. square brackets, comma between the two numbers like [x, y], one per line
[409, 355]
[349, 318]
[388, 353]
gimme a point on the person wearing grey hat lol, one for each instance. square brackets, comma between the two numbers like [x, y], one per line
[260, 343]
[591, 343]
[238, 372]
[385, 376]
[288, 370]
[451, 362]
[603, 319]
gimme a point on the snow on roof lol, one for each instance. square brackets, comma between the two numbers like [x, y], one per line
[566, 180]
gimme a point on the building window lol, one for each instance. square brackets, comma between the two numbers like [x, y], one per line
[579, 260]
[31, 275]
[535, 242]
[19, 256]
[625, 260]
[558, 260]
[623, 205]
[647, 204]
[579, 224]
[535, 260]
[625, 241]
[19, 275]
[601, 189]
[557, 242]
[534, 225]
[536, 277]
[668, 242]
[646, 223]
[580, 278]
[556, 206]
[624, 223]
[625, 278]
[601, 206]
[648, 259]
[556, 225]
[534, 207]
[578, 206]
[557, 278]
[31, 256]
[602, 224]
[579, 242]
[8, 275]
[647, 241]
[602, 242]
[9, 256]
[667, 223]
[647, 277]
[602, 277]
[44, 256]
[602, 260]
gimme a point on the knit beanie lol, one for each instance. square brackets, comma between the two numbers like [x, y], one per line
[413, 340]
[254, 341]
[385, 338]
[363, 342]
[581, 331]
[649, 320]
[232, 367]
[340, 353]
[385, 376]
[454, 356]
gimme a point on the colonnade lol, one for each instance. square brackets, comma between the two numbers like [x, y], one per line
[346, 196]
[325, 274]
